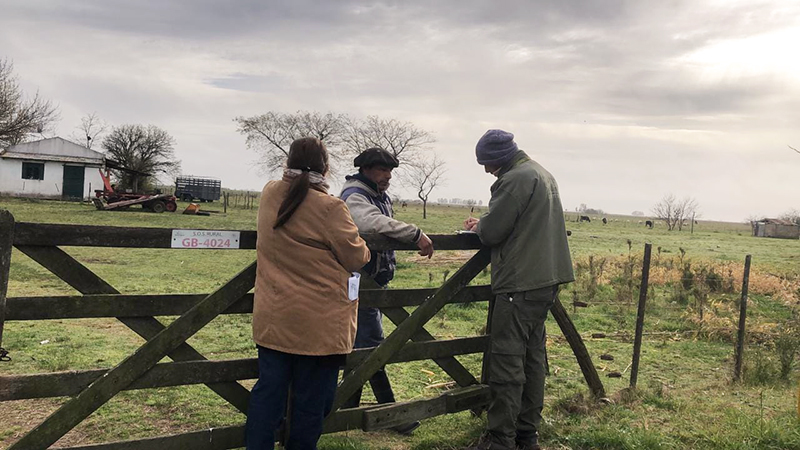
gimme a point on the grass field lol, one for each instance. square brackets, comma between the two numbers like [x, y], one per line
[685, 398]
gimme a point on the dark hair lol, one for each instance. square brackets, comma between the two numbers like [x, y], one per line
[306, 154]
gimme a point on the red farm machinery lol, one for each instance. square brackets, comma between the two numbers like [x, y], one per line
[109, 199]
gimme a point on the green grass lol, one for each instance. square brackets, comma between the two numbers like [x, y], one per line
[685, 398]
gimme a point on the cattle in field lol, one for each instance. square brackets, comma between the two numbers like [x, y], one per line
[605, 221]
[585, 219]
[648, 224]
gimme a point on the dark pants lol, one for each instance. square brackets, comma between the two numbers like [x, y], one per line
[517, 366]
[313, 383]
[370, 334]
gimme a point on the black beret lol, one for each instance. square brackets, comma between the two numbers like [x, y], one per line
[375, 157]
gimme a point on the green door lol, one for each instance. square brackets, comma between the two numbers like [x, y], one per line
[73, 182]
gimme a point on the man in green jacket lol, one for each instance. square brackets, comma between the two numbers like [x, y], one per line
[525, 228]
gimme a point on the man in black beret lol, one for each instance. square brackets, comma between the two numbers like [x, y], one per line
[371, 209]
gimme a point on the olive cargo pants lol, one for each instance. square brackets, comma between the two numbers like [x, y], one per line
[517, 365]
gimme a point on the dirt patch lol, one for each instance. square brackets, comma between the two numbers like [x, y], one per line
[20, 416]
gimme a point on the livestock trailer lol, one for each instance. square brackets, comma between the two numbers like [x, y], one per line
[188, 188]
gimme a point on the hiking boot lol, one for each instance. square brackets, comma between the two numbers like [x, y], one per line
[407, 429]
[530, 445]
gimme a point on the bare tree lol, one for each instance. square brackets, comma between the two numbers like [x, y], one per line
[89, 130]
[675, 212]
[21, 117]
[271, 134]
[141, 151]
[403, 139]
[798, 151]
[792, 216]
[686, 209]
[426, 175]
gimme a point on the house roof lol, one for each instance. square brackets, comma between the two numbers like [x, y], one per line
[778, 222]
[53, 149]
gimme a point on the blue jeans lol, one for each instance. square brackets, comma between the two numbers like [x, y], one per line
[313, 382]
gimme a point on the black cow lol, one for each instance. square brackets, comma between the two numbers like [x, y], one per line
[585, 219]
[648, 224]
[605, 221]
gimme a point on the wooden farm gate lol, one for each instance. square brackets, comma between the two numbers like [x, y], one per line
[90, 389]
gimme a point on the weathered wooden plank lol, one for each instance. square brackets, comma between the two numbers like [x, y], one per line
[6, 240]
[579, 349]
[404, 331]
[48, 234]
[211, 439]
[349, 419]
[59, 384]
[98, 393]
[85, 281]
[450, 365]
[107, 305]
[396, 414]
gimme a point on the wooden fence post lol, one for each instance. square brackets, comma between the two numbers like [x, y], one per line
[6, 244]
[579, 349]
[637, 340]
[737, 368]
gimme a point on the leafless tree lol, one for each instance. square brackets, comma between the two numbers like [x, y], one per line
[141, 150]
[20, 117]
[425, 175]
[403, 139]
[89, 130]
[271, 134]
[674, 212]
[792, 215]
[798, 151]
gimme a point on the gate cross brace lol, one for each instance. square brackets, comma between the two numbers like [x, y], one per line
[449, 364]
[75, 274]
[395, 341]
[134, 366]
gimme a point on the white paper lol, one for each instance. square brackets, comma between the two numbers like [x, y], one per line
[352, 286]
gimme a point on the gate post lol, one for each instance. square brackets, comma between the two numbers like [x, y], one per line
[6, 244]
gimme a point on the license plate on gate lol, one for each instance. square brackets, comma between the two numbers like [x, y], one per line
[205, 239]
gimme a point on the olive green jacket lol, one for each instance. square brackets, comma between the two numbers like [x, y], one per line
[525, 229]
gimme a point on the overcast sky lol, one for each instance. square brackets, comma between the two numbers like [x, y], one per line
[623, 101]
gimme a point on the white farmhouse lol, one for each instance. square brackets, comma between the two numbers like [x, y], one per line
[50, 168]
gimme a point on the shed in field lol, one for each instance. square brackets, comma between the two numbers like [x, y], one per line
[776, 228]
[50, 168]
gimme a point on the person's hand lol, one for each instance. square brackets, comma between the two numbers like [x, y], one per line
[471, 223]
[425, 245]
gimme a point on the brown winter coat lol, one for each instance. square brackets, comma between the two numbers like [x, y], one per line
[301, 304]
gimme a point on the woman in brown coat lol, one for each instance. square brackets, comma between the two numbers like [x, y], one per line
[304, 321]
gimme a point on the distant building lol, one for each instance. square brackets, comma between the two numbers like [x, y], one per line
[50, 168]
[776, 228]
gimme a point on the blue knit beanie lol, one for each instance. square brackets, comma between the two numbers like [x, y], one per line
[495, 148]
